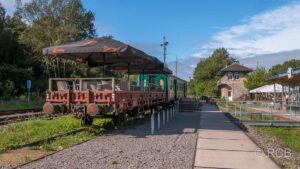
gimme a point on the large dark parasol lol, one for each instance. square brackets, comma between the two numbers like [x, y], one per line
[109, 54]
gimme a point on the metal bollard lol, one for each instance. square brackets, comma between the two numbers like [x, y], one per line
[164, 119]
[167, 115]
[158, 120]
[172, 115]
[171, 109]
[173, 112]
[152, 123]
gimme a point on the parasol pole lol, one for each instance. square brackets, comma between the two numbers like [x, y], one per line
[103, 71]
[128, 79]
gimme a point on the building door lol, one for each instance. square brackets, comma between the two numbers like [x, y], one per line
[230, 95]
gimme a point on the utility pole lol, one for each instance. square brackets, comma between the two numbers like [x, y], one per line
[176, 68]
[164, 45]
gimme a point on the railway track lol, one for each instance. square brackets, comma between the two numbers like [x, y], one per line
[20, 111]
[11, 118]
[14, 117]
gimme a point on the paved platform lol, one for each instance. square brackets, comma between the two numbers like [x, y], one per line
[223, 145]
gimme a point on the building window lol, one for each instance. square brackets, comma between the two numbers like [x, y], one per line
[236, 75]
[230, 75]
[229, 93]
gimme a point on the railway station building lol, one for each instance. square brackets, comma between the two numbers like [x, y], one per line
[232, 80]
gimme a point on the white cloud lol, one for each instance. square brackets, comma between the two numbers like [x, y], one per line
[9, 5]
[268, 32]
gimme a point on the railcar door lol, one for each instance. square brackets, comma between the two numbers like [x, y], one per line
[175, 89]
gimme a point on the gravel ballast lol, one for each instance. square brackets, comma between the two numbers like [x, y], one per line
[171, 147]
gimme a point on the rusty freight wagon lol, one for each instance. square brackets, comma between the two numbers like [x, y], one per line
[88, 98]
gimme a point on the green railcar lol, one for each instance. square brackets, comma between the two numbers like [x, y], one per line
[174, 87]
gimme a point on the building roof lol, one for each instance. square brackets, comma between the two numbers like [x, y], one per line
[235, 67]
[284, 76]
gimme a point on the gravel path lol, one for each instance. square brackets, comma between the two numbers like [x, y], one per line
[171, 147]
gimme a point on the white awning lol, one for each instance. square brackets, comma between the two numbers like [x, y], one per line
[267, 89]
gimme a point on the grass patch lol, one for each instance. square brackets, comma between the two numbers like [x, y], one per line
[288, 136]
[17, 134]
[100, 126]
[66, 141]
[25, 132]
[114, 162]
[19, 105]
[103, 122]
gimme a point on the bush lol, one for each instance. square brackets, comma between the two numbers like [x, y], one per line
[13, 80]
[6, 89]
[23, 98]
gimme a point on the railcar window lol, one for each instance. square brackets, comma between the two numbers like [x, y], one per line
[62, 85]
[161, 83]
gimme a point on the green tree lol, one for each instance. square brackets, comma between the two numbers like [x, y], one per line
[283, 67]
[11, 50]
[256, 79]
[2, 17]
[33, 26]
[191, 88]
[206, 71]
[53, 22]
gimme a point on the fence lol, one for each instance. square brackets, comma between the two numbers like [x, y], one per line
[263, 112]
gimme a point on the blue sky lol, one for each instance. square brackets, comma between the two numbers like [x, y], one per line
[258, 29]
[187, 24]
